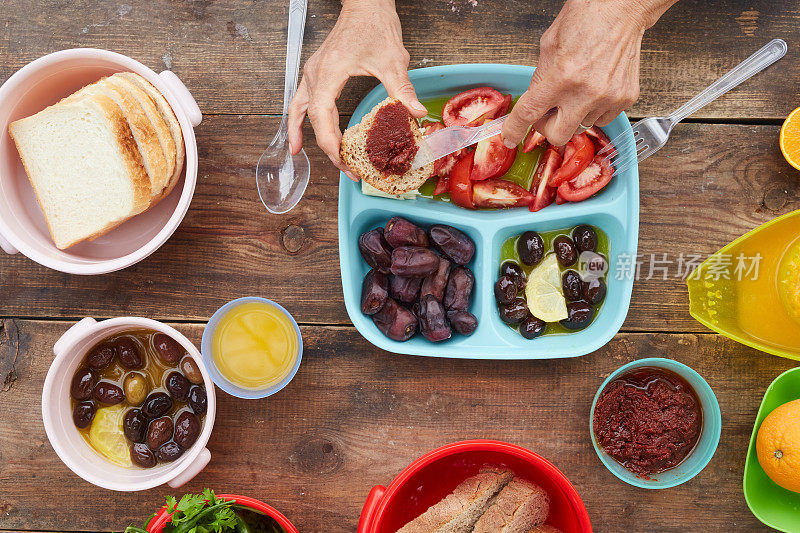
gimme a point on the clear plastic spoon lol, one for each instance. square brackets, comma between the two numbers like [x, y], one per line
[281, 177]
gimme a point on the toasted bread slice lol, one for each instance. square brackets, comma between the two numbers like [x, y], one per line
[84, 165]
[520, 506]
[144, 134]
[545, 529]
[459, 510]
[168, 115]
[353, 153]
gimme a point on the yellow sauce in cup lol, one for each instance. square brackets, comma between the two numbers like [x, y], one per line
[254, 345]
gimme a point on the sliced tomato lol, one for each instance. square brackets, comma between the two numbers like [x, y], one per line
[592, 179]
[578, 155]
[492, 159]
[442, 184]
[598, 137]
[443, 165]
[500, 194]
[559, 199]
[504, 107]
[533, 140]
[548, 165]
[471, 107]
[459, 184]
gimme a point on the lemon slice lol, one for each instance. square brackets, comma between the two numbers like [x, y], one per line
[106, 435]
[543, 291]
[789, 281]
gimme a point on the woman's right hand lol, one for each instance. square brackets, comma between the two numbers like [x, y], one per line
[366, 41]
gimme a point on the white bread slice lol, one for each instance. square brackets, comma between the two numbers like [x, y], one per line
[168, 115]
[545, 529]
[354, 154]
[459, 510]
[520, 506]
[143, 132]
[84, 166]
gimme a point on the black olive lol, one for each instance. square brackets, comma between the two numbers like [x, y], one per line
[580, 315]
[510, 268]
[157, 404]
[142, 456]
[585, 238]
[108, 393]
[505, 290]
[197, 400]
[532, 327]
[178, 386]
[594, 291]
[169, 452]
[129, 353]
[134, 425]
[530, 247]
[83, 383]
[187, 429]
[101, 356]
[572, 285]
[83, 414]
[565, 250]
[514, 312]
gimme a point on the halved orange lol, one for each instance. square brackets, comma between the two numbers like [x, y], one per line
[790, 138]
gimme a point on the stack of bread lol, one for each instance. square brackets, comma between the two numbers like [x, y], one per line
[108, 152]
[492, 501]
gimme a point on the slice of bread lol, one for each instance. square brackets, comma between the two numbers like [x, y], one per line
[84, 165]
[153, 158]
[459, 510]
[545, 529]
[168, 115]
[520, 506]
[353, 153]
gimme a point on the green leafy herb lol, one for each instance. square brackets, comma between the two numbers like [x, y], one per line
[197, 513]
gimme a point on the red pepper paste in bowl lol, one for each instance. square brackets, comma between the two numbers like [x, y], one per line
[649, 420]
[390, 143]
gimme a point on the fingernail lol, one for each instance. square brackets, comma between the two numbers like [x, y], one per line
[509, 144]
[418, 106]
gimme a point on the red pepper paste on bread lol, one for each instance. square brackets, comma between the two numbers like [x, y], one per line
[649, 420]
[390, 144]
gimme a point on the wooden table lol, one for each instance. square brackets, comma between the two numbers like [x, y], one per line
[355, 416]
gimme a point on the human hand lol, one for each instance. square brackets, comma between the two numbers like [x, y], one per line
[588, 70]
[366, 41]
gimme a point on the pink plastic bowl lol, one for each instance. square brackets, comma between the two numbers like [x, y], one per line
[433, 476]
[44, 82]
[157, 523]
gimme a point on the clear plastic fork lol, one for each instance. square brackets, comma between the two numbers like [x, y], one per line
[650, 134]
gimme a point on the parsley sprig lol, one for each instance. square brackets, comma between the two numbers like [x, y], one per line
[198, 513]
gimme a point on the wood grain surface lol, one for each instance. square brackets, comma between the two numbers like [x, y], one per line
[355, 416]
[230, 52]
[710, 184]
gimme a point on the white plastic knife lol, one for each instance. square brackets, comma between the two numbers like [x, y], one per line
[452, 139]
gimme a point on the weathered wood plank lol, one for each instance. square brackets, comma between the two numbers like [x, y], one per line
[230, 53]
[709, 185]
[355, 416]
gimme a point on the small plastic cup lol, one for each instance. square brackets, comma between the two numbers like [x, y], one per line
[221, 381]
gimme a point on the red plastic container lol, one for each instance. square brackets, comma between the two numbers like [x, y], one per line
[434, 475]
[156, 524]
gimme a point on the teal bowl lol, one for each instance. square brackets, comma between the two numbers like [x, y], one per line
[709, 436]
[615, 210]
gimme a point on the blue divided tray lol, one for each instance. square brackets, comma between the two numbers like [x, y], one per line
[615, 210]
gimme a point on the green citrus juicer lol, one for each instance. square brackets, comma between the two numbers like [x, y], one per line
[748, 291]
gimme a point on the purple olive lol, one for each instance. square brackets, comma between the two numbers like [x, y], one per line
[156, 404]
[129, 353]
[594, 291]
[375, 250]
[168, 349]
[463, 322]
[580, 315]
[187, 429]
[405, 289]
[83, 383]
[401, 232]
[101, 356]
[436, 282]
[142, 456]
[572, 285]
[565, 250]
[585, 238]
[83, 414]
[159, 431]
[198, 401]
[108, 393]
[432, 320]
[514, 312]
[505, 290]
[134, 425]
[452, 243]
[530, 248]
[169, 452]
[374, 291]
[395, 321]
[413, 261]
[459, 288]
[515, 272]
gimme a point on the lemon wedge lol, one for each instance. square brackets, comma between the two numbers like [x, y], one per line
[106, 435]
[543, 291]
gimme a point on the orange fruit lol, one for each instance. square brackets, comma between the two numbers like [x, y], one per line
[789, 139]
[778, 445]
